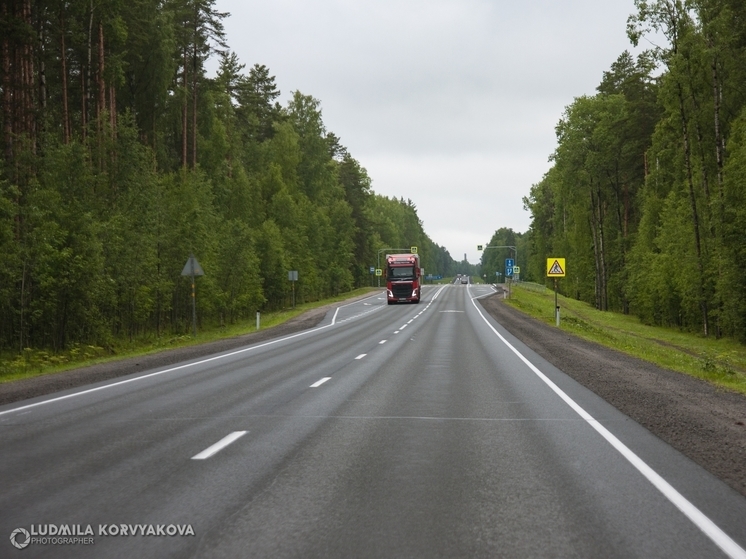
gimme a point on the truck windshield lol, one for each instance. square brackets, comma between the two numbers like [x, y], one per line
[401, 272]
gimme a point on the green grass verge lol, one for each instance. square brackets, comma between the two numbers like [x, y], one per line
[721, 362]
[32, 363]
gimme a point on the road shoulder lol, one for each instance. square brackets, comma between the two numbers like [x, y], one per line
[698, 419]
[24, 389]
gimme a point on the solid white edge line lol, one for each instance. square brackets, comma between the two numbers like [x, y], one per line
[209, 359]
[320, 382]
[334, 318]
[220, 445]
[710, 529]
[361, 300]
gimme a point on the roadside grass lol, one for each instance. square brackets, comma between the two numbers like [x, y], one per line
[719, 361]
[33, 362]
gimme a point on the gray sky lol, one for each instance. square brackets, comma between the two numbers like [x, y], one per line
[450, 103]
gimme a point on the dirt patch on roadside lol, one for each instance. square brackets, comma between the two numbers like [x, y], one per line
[47, 384]
[701, 421]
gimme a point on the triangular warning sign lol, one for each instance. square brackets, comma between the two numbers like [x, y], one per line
[556, 269]
[192, 268]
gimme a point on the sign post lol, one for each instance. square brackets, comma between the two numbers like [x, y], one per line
[192, 268]
[556, 269]
[292, 278]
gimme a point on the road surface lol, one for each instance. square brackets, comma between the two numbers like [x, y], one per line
[387, 431]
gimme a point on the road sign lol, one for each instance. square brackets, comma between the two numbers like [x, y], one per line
[293, 277]
[413, 250]
[516, 269]
[379, 272]
[508, 271]
[372, 269]
[509, 262]
[556, 268]
[192, 268]
[479, 247]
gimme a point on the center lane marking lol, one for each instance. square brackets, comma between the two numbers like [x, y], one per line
[220, 445]
[199, 362]
[320, 382]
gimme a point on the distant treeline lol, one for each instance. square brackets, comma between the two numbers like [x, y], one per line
[121, 158]
[646, 198]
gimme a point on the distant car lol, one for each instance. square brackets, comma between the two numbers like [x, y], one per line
[464, 280]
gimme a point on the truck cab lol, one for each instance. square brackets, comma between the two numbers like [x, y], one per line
[403, 278]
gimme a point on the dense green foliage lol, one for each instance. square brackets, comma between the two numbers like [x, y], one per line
[646, 197]
[492, 265]
[121, 158]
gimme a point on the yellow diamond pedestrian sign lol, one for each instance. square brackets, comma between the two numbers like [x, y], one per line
[556, 267]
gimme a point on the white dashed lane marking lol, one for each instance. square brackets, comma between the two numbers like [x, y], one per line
[220, 445]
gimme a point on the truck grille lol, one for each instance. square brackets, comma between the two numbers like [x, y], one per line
[400, 290]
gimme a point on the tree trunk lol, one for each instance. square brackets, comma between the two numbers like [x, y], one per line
[113, 109]
[42, 69]
[29, 85]
[65, 105]
[90, 51]
[7, 93]
[83, 106]
[101, 105]
[602, 250]
[717, 93]
[19, 89]
[185, 116]
[695, 214]
[194, 102]
[596, 249]
[87, 88]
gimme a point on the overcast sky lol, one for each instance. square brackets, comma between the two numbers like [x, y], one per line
[449, 103]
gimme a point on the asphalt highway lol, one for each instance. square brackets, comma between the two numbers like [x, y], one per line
[387, 431]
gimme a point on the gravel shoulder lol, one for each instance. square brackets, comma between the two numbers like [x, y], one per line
[700, 420]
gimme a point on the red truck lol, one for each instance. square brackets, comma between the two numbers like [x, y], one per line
[403, 278]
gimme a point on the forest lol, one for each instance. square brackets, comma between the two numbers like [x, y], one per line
[121, 157]
[646, 195]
